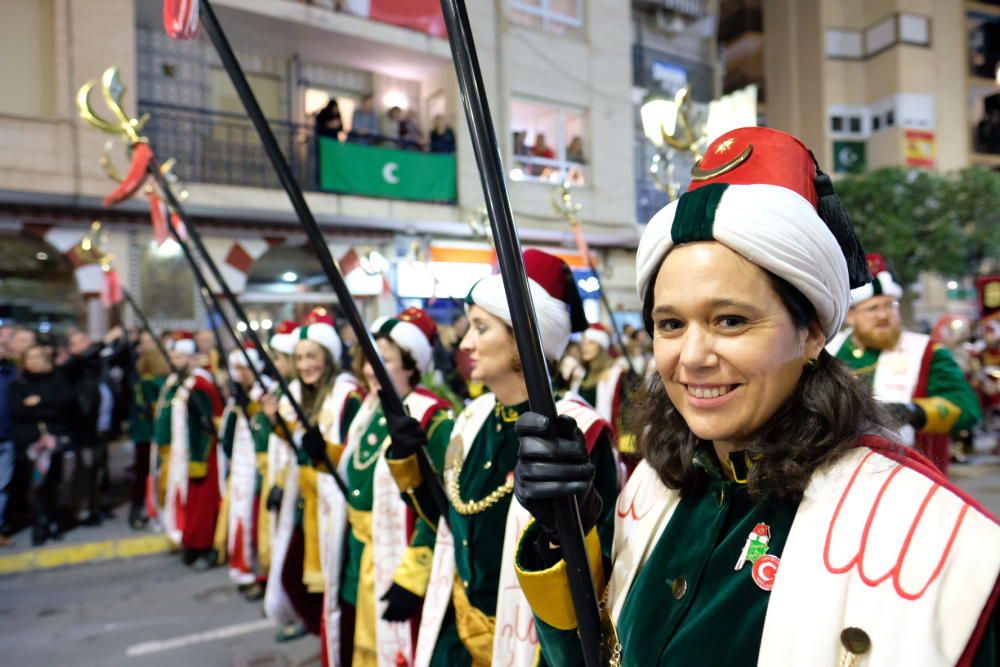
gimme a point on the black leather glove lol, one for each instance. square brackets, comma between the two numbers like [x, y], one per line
[403, 605]
[314, 445]
[240, 396]
[908, 413]
[407, 436]
[274, 496]
[553, 464]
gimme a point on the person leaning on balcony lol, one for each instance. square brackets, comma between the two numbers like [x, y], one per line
[364, 122]
[328, 121]
[442, 136]
[410, 135]
[772, 521]
[390, 127]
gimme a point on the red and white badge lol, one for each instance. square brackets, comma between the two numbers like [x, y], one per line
[765, 569]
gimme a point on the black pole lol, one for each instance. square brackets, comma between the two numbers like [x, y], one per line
[392, 404]
[144, 323]
[175, 206]
[529, 346]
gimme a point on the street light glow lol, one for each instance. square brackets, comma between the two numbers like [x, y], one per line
[289, 276]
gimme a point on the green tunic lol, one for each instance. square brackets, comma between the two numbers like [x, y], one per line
[147, 390]
[706, 611]
[479, 538]
[360, 482]
[944, 379]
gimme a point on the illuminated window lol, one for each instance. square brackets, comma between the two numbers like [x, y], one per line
[559, 16]
[549, 143]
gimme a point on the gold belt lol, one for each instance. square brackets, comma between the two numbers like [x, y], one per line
[475, 628]
[361, 524]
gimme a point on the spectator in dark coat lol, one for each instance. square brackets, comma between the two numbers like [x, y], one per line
[442, 137]
[41, 403]
[88, 370]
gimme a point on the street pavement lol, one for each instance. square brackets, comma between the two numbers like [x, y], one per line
[149, 611]
[111, 596]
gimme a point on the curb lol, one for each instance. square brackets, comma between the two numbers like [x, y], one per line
[88, 552]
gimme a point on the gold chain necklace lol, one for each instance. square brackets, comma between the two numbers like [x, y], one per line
[453, 470]
[454, 491]
[367, 463]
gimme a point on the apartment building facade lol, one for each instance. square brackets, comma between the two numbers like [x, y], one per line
[555, 69]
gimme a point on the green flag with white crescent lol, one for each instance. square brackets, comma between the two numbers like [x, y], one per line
[360, 169]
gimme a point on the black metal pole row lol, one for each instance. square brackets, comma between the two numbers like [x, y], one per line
[248, 331]
[392, 404]
[526, 333]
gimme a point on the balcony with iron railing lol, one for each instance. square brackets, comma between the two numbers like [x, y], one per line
[223, 149]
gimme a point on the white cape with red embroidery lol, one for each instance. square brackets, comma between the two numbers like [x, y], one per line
[876, 544]
[515, 641]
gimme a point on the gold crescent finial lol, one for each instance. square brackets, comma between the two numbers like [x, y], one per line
[699, 174]
[113, 92]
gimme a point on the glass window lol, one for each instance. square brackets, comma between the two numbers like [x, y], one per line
[836, 123]
[167, 285]
[855, 122]
[548, 143]
[876, 122]
[559, 16]
[890, 118]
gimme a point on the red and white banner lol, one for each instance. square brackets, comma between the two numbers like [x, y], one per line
[111, 289]
[180, 18]
[420, 15]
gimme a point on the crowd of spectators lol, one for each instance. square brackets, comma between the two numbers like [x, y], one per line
[59, 400]
[396, 128]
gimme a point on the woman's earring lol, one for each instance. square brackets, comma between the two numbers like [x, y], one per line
[812, 363]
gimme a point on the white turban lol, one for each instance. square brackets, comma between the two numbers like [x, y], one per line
[322, 334]
[409, 337]
[882, 284]
[552, 314]
[776, 229]
[236, 359]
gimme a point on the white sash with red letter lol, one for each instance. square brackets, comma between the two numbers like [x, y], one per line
[642, 511]
[390, 538]
[515, 642]
[177, 472]
[883, 547]
[875, 545]
[242, 501]
[283, 471]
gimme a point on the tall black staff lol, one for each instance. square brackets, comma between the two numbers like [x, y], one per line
[526, 334]
[272, 370]
[144, 163]
[144, 324]
[392, 404]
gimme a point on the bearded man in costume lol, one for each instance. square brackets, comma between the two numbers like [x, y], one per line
[917, 379]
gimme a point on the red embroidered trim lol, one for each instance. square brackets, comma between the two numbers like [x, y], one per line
[630, 510]
[894, 571]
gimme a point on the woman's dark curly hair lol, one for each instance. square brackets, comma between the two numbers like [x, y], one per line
[822, 419]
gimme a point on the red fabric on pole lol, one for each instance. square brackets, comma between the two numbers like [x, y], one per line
[136, 176]
[158, 216]
[421, 15]
[111, 290]
[180, 18]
